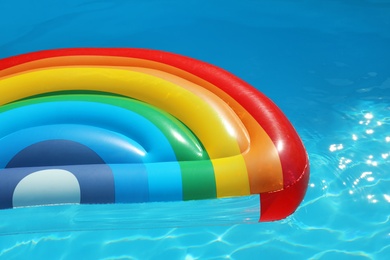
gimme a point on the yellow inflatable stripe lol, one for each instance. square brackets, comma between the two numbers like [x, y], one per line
[231, 176]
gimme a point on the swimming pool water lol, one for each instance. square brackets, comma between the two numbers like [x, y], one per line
[326, 64]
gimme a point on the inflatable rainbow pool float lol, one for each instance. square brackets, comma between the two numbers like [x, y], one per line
[121, 125]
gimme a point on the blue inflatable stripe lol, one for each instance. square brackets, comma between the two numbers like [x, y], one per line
[131, 183]
[54, 153]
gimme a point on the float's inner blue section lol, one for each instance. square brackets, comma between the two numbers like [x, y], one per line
[324, 63]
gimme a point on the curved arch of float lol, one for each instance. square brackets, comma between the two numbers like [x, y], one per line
[200, 132]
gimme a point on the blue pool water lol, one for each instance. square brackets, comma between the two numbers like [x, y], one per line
[326, 64]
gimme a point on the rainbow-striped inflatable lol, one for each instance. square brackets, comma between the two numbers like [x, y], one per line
[94, 126]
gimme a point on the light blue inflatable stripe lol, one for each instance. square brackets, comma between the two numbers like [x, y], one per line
[110, 146]
[109, 117]
[164, 181]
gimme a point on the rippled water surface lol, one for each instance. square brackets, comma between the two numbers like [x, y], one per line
[325, 63]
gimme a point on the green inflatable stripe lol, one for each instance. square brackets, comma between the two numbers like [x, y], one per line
[198, 180]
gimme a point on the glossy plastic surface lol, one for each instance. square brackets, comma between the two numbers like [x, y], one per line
[159, 126]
